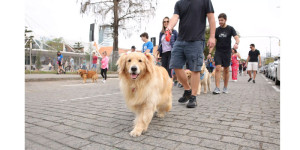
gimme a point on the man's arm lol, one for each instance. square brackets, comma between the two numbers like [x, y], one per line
[259, 60]
[237, 41]
[212, 26]
[173, 22]
[247, 60]
[147, 51]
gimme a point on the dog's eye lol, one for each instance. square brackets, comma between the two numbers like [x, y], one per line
[129, 60]
[140, 60]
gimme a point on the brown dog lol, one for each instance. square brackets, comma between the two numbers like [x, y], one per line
[146, 87]
[87, 75]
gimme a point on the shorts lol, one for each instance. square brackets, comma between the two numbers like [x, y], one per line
[94, 66]
[187, 52]
[222, 58]
[59, 63]
[252, 66]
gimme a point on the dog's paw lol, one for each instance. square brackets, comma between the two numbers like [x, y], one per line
[160, 115]
[134, 133]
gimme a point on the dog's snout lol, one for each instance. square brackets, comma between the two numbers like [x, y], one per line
[133, 68]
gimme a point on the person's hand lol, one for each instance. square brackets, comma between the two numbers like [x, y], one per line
[169, 29]
[236, 46]
[209, 56]
[259, 64]
[246, 65]
[211, 42]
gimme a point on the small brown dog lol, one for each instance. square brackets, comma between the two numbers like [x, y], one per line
[87, 75]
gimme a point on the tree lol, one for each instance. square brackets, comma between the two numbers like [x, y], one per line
[123, 15]
[56, 43]
[38, 64]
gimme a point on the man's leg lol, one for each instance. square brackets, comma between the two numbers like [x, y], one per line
[226, 76]
[195, 79]
[218, 75]
[181, 77]
[254, 74]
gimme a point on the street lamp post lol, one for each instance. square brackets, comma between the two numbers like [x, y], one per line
[29, 33]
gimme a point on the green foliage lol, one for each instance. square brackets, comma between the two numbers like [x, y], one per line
[56, 43]
[269, 60]
[38, 64]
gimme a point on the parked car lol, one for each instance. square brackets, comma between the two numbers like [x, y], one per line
[261, 69]
[273, 75]
[270, 70]
[266, 70]
[277, 77]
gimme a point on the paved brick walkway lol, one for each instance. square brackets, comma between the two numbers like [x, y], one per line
[64, 115]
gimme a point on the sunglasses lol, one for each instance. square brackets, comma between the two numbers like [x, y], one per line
[166, 21]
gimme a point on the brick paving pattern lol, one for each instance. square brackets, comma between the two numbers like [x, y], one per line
[63, 115]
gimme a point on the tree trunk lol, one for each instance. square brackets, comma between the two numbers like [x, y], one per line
[115, 54]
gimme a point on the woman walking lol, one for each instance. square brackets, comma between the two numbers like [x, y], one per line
[235, 64]
[165, 47]
[104, 66]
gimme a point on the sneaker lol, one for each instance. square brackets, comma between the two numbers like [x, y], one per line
[175, 83]
[253, 81]
[234, 80]
[216, 91]
[186, 96]
[249, 79]
[225, 90]
[180, 85]
[192, 102]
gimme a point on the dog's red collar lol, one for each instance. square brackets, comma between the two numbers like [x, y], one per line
[133, 89]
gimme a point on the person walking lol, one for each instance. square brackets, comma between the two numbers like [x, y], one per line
[95, 59]
[104, 66]
[84, 64]
[50, 66]
[252, 62]
[190, 43]
[240, 68]
[59, 62]
[235, 64]
[223, 51]
[148, 45]
[165, 47]
[244, 68]
[72, 64]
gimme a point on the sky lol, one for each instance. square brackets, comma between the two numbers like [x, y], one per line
[61, 18]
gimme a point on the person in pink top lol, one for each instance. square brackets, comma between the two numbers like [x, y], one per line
[234, 64]
[94, 65]
[104, 66]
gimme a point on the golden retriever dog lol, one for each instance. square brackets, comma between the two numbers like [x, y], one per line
[213, 74]
[147, 88]
[89, 75]
[189, 76]
[205, 82]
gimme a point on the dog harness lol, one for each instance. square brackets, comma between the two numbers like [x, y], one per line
[202, 76]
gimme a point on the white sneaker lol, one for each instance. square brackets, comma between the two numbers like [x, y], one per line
[234, 80]
[103, 81]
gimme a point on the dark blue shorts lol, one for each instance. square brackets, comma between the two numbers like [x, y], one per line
[187, 52]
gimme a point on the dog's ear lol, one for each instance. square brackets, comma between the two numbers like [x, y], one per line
[121, 63]
[149, 62]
